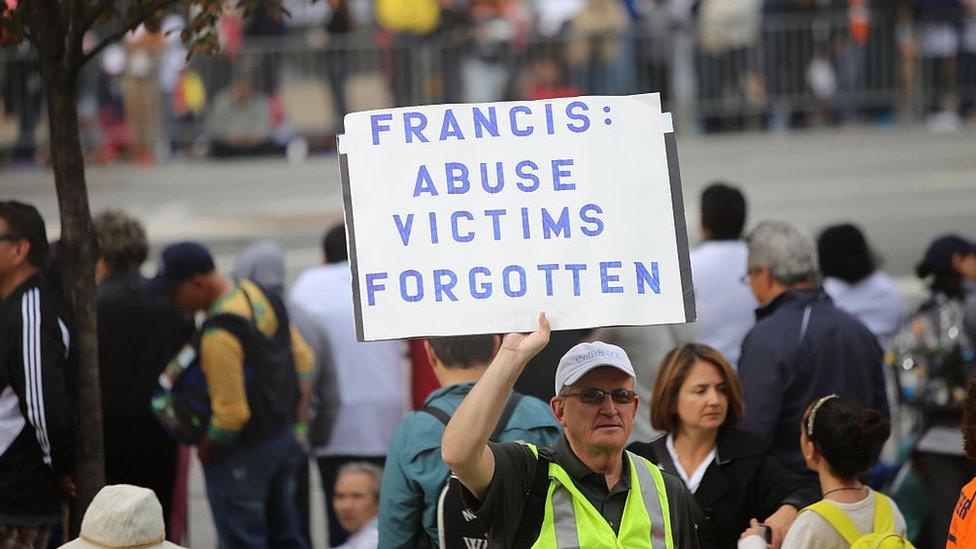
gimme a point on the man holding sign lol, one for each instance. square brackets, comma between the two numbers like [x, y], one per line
[584, 491]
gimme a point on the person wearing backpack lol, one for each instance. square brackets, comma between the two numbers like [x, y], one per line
[252, 360]
[841, 440]
[415, 476]
[934, 356]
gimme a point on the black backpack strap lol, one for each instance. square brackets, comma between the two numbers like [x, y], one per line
[507, 412]
[510, 406]
[277, 305]
[535, 504]
[236, 324]
[441, 415]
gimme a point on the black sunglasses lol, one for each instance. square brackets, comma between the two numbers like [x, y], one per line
[596, 396]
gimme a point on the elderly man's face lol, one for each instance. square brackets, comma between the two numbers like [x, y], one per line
[762, 283]
[355, 501]
[600, 427]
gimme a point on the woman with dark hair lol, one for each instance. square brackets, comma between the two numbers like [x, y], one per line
[840, 440]
[950, 261]
[137, 337]
[852, 280]
[935, 355]
[697, 401]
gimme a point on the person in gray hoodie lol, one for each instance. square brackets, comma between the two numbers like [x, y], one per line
[264, 264]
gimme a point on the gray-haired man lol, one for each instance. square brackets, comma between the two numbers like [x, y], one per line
[356, 501]
[802, 347]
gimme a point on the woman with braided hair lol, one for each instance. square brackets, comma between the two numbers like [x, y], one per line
[840, 440]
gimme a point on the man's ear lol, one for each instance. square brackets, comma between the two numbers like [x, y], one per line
[706, 233]
[558, 406]
[22, 250]
[764, 279]
[429, 351]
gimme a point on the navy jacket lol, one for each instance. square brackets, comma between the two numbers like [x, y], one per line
[803, 348]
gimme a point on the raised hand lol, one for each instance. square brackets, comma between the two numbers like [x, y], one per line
[527, 345]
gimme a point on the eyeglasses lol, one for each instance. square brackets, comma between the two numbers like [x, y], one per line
[744, 279]
[10, 237]
[596, 396]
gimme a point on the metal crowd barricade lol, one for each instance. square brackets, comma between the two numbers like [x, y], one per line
[799, 67]
[782, 71]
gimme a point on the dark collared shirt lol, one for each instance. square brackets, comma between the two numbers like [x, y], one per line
[608, 501]
[504, 503]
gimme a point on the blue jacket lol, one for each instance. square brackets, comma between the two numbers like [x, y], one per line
[414, 473]
[783, 371]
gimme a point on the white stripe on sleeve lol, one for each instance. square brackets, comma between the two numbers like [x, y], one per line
[33, 381]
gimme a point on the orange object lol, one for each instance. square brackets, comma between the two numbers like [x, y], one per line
[962, 530]
[859, 22]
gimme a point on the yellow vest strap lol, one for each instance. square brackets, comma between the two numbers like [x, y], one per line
[655, 500]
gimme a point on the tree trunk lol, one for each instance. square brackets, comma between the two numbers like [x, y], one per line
[77, 257]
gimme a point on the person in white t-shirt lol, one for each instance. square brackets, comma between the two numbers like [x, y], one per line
[840, 440]
[726, 306]
[372, 376]
[852, 280]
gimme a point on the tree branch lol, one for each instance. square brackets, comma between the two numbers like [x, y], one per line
[43, 20]
[96, 11]
[53, 11]
[127, 28]
[76, 35]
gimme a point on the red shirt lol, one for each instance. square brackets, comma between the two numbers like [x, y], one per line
[424, 381]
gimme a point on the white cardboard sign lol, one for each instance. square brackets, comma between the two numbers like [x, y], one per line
[472, 218]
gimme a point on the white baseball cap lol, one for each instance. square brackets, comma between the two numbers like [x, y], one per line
[586, 356]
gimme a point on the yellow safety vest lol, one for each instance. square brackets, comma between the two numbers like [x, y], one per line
[571, 520]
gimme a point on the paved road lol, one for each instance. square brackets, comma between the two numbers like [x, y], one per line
[903, 187]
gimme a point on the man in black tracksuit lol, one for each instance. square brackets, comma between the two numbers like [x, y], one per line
[36, 420]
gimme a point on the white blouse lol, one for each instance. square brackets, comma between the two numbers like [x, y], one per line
[693, 481]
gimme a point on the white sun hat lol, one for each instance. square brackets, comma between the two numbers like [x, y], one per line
[123, 516]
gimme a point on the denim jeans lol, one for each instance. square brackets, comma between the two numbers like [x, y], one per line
[252, 494]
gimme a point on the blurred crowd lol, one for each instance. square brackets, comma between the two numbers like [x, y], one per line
[805, 366]
[281, 84]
